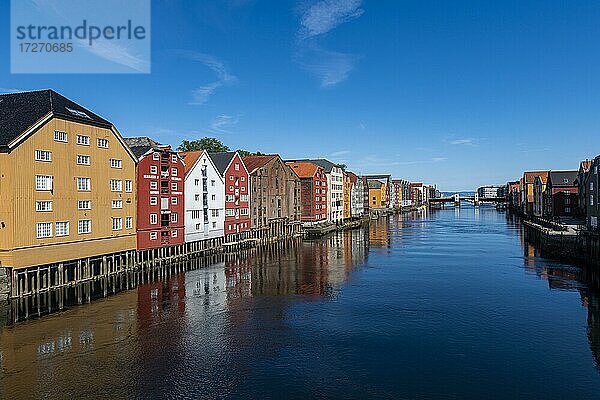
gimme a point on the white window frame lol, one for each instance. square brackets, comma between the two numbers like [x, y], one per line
[153, 200]
[153, 185]
[153, 169]
[116, 185]
[60, 231]
[60, 136]
[83, 140]
[43, 155]
[82, 158]
[84, 188]
[102, 143]
[173, 171]
[174, 233]
[153, 235]
[174, 200]
[128, 222]
[117, 223]
[117, 204]
[128, 185]
[47, 181]
[84, 223]
[174, 186]
[116, 163]
[174, 217]
[43, 230]
[153, 219]
[81, 203]
[43, 206]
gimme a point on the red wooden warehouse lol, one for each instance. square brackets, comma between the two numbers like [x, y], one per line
[160, 194]
[237, 194]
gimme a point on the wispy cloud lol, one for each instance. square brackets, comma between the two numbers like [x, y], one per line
[323, 16]
[201, 94]
[330, 67]
[222, 124]
[339, 153]
[317, 19]
[462, 142]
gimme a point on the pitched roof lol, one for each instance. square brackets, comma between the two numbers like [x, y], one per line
[20, 111]
[530, 176]
[304, 169]
[563, 178]
[190, 158]
[352, 176]
[141, 145]
[322, 162]
[255, 162]
[222, 159]
[585, 165]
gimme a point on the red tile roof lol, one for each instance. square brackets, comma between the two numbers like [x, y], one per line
[190, 158]
[303, 169]
[530, 176]
[352, 176]
[254, 162]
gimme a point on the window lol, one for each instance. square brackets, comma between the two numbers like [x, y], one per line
[114, 163]
[44, 230]
[196, 182]
[153, 219]
[174, 158]
[229, 212]
[567, 209]
[197, 197]
[197, 227]
[231, 188]
[103, 143]
[173, 185]
[117, 204]
[153, 200]
[43, 155]
[230, 177]
[567, 200]
[83, 184]
[84, 205]
[229, 198]
[244, 211]
[244, 197]
[62, 228]
[195, 214]
[174, 201]
[591, 199]
[84, 226]
[128, 186]
[213, 197]
[117, 224]
[60, 136]
[83, 140]
[43, 182]
[174, 217]
[153, 185]
[243, 178]
[153, 235]
[174, 171]
[174, 233]
[214, 224]
[83, 160]
[128, 222]
[153, 169]
[237, 166]
[592, 185]
[43, 206]
[155, 156]
[116, 185]
[215, 212]
[212, 182]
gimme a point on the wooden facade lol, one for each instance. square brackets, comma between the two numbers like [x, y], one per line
[313, 191]
[56, 201]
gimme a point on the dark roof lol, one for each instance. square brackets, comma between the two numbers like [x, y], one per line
[20, 111]
[374, 184]
[222, 160]
[141, 145]
[322, 162]
[563, 178]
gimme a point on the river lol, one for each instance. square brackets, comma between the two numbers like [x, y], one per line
[448, 304]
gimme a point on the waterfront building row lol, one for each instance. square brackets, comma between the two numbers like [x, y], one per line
[73, 188]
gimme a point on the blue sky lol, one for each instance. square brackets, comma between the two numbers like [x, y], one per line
[457, 93]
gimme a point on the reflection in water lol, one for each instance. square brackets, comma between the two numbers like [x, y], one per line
[437, 298]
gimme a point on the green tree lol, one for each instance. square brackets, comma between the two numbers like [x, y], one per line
[206, 143]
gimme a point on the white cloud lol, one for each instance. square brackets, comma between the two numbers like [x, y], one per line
[222, 124]
[463, 142]
[10, 90]
[339, 153]
[325, 15]
[329, 67]
[201, 94]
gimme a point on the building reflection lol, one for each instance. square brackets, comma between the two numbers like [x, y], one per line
[379, 233]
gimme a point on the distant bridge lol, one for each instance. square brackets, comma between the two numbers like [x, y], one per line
[476, 200]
